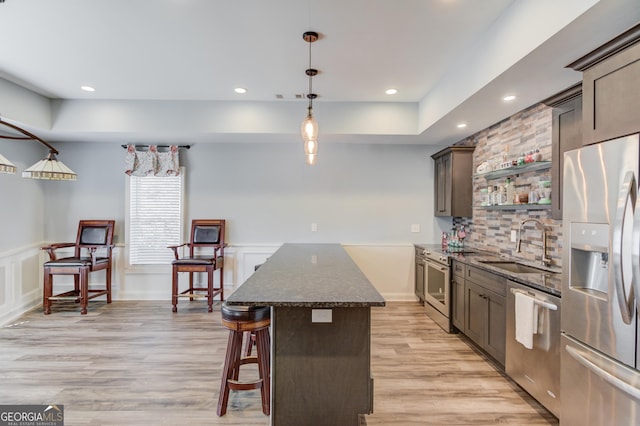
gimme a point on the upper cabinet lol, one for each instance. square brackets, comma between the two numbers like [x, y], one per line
[611, 88]
[453, 184]
[566, 135]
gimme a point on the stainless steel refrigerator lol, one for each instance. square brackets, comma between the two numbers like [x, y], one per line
[600, 360]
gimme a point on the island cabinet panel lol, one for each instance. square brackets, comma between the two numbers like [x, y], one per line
[321, 370]
[453, 167]
[611, 88]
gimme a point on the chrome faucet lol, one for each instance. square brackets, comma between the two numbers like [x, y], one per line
[545, 260]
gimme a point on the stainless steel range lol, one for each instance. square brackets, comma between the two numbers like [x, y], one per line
[436, 264]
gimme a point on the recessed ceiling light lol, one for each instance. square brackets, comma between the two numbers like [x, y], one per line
[391, 91]
[88, 88]
[462, 125]
[240, 90]
[508, 98]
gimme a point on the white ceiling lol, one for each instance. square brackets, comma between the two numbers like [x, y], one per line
[166, 69]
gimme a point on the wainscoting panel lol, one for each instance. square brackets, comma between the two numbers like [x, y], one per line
[30, 276]
[389, 267]
[21, 279]
[4, 288]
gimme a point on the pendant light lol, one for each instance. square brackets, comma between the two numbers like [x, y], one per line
[7, 166]
[309, 128]
[50, 168]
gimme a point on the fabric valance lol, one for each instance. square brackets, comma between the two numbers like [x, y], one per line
[152, 162]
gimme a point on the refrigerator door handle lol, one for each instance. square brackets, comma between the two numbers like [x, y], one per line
[635, 253]
[583, 358]
[626, 195]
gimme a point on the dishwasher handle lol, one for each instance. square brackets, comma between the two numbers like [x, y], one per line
[542, 303]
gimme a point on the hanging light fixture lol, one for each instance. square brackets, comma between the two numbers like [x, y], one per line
[50, 168]
[309, 128]
[6, 166]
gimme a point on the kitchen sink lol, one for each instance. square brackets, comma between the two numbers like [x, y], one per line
[515, 267]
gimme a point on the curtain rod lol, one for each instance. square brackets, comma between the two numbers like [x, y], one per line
[159, 146]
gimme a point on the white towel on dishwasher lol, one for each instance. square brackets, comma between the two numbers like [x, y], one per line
[526, 319]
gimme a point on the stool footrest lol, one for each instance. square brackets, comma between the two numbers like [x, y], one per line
[237, 385]
[193, 295]
[249, 360]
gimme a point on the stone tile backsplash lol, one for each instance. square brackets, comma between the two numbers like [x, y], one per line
[490, 230]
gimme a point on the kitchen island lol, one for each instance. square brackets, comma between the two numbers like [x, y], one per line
[321, 333]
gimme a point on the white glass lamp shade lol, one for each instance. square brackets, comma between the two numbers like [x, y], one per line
[311, 159]
[311, 146]
[6, 166]
[49, 169]
[309, 128]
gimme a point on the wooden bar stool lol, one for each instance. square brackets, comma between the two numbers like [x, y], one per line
[249, 320]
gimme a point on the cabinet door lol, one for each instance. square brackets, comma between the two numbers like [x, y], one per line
[567, 135]
[420, 280]
[457, 306]
[443, 185]
[495, 339]
[452, 181]
[475, 313]
[611, 91]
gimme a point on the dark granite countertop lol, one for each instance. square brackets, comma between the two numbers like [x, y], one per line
[308, 275]
[547, 281]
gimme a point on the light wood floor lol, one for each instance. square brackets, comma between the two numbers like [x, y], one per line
[137, 363]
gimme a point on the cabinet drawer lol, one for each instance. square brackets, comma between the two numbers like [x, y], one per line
[490, 281]
[459, 268]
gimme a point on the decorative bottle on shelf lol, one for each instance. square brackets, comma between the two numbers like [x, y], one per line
[503, 196]
[510, 189]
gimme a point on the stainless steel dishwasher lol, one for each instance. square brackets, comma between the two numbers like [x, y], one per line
[536, 370]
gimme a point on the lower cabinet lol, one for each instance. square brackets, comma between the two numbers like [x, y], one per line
[485, 311]
[457, 295]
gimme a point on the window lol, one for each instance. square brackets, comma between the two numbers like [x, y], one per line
[154, 218]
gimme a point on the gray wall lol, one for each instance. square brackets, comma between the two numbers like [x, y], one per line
[23, 208]
[355, 194]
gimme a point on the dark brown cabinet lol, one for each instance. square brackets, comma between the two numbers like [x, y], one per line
[457, 295]
[485, 311]
[566, 135]
[611, 88]
[453, 167]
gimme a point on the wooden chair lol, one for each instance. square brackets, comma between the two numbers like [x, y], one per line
[92, 252]
[206, 254]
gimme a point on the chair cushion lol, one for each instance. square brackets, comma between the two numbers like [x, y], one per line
[244, 313]
[75, 261]
[196, 260]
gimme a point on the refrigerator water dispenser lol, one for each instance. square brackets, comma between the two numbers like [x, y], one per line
[590, 258]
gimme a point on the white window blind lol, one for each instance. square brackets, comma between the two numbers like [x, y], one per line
[155, 218]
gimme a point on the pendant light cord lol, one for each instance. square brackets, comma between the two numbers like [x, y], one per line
[310, 81]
